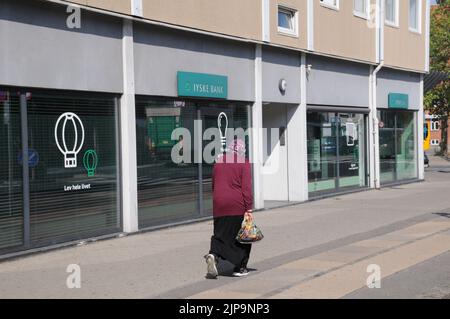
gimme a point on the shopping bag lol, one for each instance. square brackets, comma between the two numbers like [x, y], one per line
[249, 232]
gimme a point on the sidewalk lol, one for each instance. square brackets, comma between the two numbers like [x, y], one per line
[169, 263]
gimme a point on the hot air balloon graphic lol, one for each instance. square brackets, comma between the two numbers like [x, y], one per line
[223, 133]
[90, 162]
[69, 148]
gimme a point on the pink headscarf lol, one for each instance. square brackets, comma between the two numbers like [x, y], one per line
[237, 147]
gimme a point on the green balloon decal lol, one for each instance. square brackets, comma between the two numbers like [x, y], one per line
[90, 162]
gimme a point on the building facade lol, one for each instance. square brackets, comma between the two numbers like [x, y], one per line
[436, 133]
[114, 103]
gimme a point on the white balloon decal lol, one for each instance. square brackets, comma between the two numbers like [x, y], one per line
[70, 152]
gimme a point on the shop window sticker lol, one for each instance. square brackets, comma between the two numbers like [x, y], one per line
[69, 148]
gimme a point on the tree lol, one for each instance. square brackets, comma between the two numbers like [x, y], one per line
[437, 100]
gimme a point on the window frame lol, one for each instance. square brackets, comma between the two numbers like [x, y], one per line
[418, 16]
[363, 15]
[396, 22]
[329, 5]
[294, 13]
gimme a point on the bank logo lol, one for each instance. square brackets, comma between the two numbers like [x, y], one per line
[90, 162]
[69, 148]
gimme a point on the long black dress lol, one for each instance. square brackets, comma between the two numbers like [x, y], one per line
[224, 243]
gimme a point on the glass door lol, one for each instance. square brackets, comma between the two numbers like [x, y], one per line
[322, 151]
[398, 150]
[336, 151]
[351, 146]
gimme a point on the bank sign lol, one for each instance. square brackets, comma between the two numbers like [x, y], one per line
[202, 85]
[398, 101]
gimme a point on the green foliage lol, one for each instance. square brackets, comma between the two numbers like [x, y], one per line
[437, 101]
[440, 38]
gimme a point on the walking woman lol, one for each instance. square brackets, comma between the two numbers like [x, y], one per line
[232, 199]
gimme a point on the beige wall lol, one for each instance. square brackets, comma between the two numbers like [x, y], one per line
[343, 34]
[121, 6]
[339, 33]
[404, 48]
[275, 37]
[242, 18]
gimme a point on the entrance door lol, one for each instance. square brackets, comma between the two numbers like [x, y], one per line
[398, 153]
[336, 151]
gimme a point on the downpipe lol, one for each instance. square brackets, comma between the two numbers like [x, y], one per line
[375, 126]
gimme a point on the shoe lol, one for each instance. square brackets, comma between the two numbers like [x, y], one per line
[211, 266]
[242, 273]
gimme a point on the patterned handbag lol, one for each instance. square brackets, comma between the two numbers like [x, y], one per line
[249, 232]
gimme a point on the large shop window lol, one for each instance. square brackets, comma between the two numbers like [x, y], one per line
[172, 190]
[398, 151]
[336, 151]
[72, 180]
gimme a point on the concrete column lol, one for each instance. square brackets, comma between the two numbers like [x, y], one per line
[297, 144]
[256, 155]
[420, 123]
[128, 134]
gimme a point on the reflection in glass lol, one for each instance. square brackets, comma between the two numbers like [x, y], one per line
[336, 151]
[237, 116]
[11, 214]
[322, 148]
[398, 153]
[170, 192]
[167, 191]
[352, 171]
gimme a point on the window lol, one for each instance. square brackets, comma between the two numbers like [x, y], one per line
[334, 4]
[398, 150]
[435, 142]
[167, 191]
[361, 8]
[435, 126]
[391, 12]
[414, 15]
[287, 21]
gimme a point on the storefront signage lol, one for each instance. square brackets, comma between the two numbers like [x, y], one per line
[69, 148]
[90, 162]
[223, 129]
[76, 187]
[33, 158]
[202, 85]
[398, 101]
